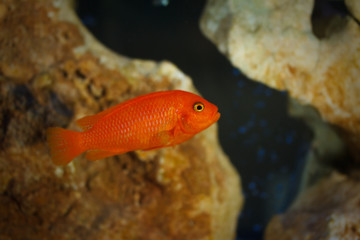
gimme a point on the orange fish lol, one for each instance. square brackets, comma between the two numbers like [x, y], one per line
[151, 121]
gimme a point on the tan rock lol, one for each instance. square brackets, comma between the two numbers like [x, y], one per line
[271, 41]
[354, 7]
[52, 72]
[313, 216]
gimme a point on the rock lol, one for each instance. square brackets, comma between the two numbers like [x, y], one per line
[52, 72]
[313, 217]
[317, 60]
[272, 42]
[327, 152]
[354, 6]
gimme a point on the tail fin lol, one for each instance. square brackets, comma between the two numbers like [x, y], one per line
[64, 145]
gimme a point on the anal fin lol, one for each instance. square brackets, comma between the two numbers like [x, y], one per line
[153, 148]
[94, 155]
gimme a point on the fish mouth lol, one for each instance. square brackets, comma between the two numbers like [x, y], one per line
[216, 116]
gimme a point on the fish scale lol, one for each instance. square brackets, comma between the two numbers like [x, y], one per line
[136, 129]
[146, 122]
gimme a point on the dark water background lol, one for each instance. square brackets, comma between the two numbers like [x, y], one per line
[266, 146]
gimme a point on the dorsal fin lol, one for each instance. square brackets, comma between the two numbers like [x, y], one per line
[86, 123]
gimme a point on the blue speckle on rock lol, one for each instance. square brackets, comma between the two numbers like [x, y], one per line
[241, 83]
[88, 20]
[279, 187]
[252, 185]
[260, 104]
[260, 154]
[242, 129]
[289, 139]
[257, 227]
[258, 90]
[235, 72]
[268, 92]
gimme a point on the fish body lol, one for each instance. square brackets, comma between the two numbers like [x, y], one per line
[150, 121]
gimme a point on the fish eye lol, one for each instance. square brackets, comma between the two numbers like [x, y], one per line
[199, 107]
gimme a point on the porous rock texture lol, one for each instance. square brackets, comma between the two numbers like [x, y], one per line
[274, 42]
[329, 210]
[52, 72]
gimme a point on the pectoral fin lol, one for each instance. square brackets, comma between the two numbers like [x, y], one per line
[165, 138]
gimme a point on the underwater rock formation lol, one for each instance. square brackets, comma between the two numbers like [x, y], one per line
[272, 42]
[283, 45]
[312, 216]
[52, 72]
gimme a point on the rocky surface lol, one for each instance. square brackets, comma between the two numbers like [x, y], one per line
[282, 44]
[52, 72]
[272, 41]
[329, 210]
